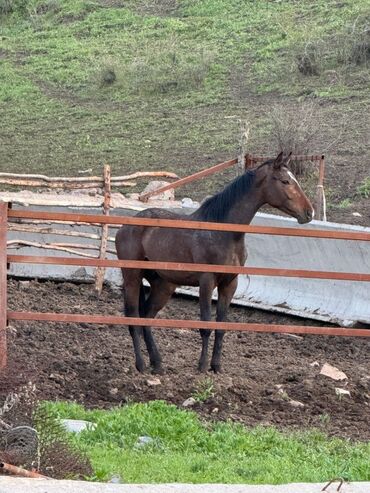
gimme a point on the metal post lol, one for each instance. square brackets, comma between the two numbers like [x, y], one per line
[3, 281]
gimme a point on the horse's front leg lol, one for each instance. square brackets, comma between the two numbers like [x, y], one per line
[206, 287]
[225, 295]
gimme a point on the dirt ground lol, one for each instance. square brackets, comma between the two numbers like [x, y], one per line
[94, 365]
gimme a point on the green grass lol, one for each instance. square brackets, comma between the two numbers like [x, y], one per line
[185, 449]
[364, 188]
[183, 78]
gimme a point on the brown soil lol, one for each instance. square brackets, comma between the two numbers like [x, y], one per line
[94, 364]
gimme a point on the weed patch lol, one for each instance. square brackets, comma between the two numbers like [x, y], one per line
[183, 449]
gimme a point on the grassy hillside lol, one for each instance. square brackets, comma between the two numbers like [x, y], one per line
[166, 84]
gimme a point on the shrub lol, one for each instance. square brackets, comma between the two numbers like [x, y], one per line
[12, 6]
[296, 130]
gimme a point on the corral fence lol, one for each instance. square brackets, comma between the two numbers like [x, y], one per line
[5, 315]
[105, 183]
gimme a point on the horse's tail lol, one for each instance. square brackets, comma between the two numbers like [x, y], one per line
[142, 300]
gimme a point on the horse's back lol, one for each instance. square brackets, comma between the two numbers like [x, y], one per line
[129, 237]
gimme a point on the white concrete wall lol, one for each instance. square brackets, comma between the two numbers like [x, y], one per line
[343, 302]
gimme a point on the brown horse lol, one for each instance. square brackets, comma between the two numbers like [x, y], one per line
[270, 183]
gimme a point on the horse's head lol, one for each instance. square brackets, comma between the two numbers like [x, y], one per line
[282, 190]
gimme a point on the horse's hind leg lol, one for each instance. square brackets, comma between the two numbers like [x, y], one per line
[206, 287]
[131, 287]
[160, 292]
[225, 295]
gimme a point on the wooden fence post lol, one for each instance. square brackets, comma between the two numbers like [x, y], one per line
[100, 271]
[320, 201]
[3, 282]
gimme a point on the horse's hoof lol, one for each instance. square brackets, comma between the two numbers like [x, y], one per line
[216, 368]
[157, 370]
[140, 366]
[202, 368]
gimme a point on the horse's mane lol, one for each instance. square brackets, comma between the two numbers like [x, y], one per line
[217, 207]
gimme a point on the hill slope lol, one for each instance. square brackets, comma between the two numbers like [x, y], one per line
[166, 84]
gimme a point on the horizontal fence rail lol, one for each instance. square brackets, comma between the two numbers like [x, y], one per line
[187, 224]
[188, 179]
[188, 267]
[174, 266]
[186, 324]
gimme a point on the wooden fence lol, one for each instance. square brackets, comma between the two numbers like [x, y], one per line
[106, 182]
[249, 162]
[6, 315]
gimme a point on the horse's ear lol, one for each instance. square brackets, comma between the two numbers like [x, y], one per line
[288, 159]
[279, 161]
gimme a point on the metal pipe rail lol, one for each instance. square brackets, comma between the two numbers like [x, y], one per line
[187, 224]
[188, 267]
[165, 323]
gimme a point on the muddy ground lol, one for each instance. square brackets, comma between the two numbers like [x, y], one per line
[94, 365]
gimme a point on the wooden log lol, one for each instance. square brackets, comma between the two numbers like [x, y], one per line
[87, 179]
[320, 200]
[19, 471]
[100, 271]
[141, 174]
[60, 184]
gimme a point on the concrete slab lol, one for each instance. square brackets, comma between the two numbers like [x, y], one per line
[342, 302]
[20, 485]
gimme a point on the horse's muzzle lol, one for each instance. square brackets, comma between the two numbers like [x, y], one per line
[306, 217]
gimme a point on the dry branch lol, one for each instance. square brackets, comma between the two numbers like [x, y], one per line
[19, 471]
[79, 182]
[48, 230]
[14, 243]
[139, 174]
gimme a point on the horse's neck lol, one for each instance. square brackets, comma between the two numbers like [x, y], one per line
[244, 211]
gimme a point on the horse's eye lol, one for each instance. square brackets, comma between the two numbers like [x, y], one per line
[286, 182]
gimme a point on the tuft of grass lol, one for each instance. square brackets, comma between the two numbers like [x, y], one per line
[345, 203]
[364, 188]
[183, 449]
[204, 390]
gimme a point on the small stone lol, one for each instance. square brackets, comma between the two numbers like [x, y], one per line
[155, 185]
[332, 372]
[116, 479]
[187, 202]
[215, 410]
[296, 403]
[314, 364]
[24, 284]
[341, 392]
[113, 391]
[356, 214]
[77, 425]
[189, 402]
[144, 440]
[153, 382]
